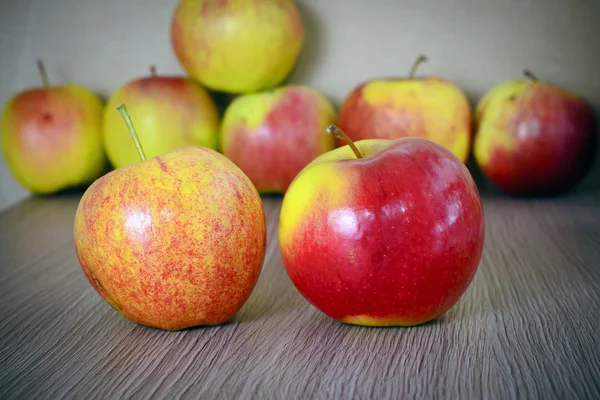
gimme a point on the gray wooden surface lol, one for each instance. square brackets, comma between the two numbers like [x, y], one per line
[528, 327]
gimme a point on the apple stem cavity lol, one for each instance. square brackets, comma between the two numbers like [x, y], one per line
[530, 75]
[413, 70]
[43, 73]
[123, 110]
[338, 133]
[153, 70]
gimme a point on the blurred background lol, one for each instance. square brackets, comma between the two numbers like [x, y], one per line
[476, 43]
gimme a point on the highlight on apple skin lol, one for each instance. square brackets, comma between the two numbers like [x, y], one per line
[170, 112]
[430, 107]
[51, 137]
[271, 135]
[173, 241]
[237, 46]
[391, 239]
[534, 138]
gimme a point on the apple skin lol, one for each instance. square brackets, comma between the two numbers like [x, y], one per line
[51, 138]
[237, 46]
[430, 107]
[169, 112]
[272, 135]
[534, 138]
[393, 239]
[175, 241]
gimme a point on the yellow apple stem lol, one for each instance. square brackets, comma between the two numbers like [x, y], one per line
[153, 70]
[123, 110]
[413, 70]
[43, 73]
[530, 75]
[338, 133]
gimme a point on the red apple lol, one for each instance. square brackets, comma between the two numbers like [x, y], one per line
[429, 107]
[283, 127]
[533, 137]
[393, 238]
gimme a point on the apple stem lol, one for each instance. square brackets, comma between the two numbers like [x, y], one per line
[153, 70]
[530, 75]
[413, 70]
[338, 133]
[43, 73]
[123, 110]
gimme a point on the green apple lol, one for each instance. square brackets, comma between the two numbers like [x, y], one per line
[51, 137]
[237, 46]
[170, 111]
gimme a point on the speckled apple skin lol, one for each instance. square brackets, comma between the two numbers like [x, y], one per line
[173, 242]
[392, 239]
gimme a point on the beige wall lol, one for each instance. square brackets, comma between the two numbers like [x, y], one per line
[476, 43]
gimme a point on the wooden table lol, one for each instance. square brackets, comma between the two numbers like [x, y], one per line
[528, 327]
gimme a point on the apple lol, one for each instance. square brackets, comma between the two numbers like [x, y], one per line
[237, 46]
[170, 111]
[534, 138]
[430, 107]
[51, 137]
[174, 241]
[382, 232]
[284, 127]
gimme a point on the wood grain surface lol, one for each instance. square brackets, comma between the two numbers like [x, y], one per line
[527, 328]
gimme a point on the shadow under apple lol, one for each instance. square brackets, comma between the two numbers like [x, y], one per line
[312, 47]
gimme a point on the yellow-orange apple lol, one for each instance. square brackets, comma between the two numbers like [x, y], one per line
[272, 135]
[390, 233]
[534, 138]
[237, 46]
[170, 112]
[51, 137]
[429, 107]
[173, 241]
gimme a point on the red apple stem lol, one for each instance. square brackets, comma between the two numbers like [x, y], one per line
[338, 133]
[123, 110]
[530, 75]
[43, 73]
[153, 70]
[413, 70]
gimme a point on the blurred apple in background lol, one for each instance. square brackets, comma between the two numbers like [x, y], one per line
[429, 107]
[272, 135]
[173, 241]
[390, 233]
[51, 137]
[534, 138]
[170, 112]
[237, 46]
